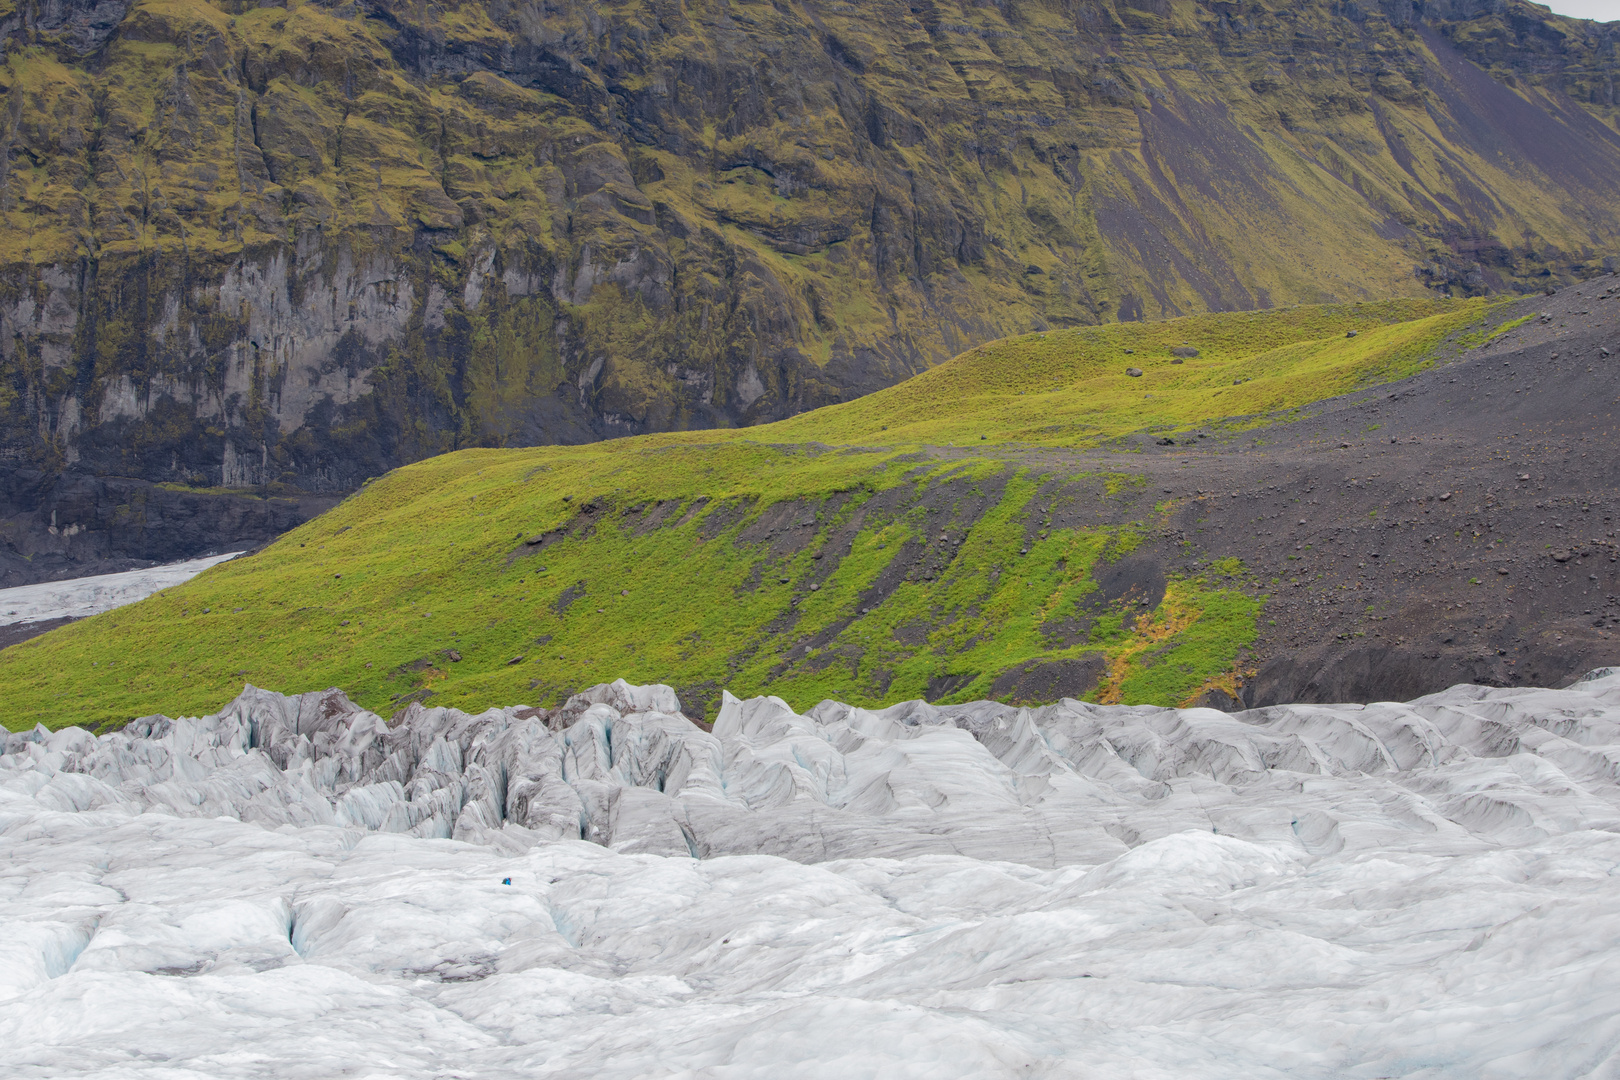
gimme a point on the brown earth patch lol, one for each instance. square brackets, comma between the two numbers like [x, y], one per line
[15, 633]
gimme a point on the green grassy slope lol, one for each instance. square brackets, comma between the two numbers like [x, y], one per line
[768, 560]
[1070, 388]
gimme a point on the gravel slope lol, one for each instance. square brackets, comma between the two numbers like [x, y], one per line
[1456, 526]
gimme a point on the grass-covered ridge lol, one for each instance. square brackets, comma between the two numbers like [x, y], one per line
[767, 560]
[736, 565]
[1070, 388]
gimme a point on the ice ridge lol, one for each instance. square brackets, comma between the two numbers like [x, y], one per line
[620, 766]
[294, 887]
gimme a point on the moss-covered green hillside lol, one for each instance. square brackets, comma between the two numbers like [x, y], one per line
[1071, 387]
[832, 555]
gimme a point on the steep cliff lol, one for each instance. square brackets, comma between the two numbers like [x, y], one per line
[300, 243]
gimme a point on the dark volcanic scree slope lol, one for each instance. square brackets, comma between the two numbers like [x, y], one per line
[1460, 526]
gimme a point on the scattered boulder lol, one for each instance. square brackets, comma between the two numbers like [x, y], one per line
[1350, 333]
[514, 660]
[1186, 352]
[1134, 372]
[1216, 698]
[1178, 360]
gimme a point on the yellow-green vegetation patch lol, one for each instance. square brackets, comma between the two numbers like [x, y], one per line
[1071, 387]
[236, 493]
[803, 572]
[1511, 324]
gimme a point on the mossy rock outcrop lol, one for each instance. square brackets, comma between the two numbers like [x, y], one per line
[302, 242]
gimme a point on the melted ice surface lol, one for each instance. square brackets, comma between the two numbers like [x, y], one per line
[80, 598]
[295, 888]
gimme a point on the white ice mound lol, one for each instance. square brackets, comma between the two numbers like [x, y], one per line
[1423, 889]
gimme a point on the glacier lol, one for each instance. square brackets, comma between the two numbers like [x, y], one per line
[79, 598]
[295, 887]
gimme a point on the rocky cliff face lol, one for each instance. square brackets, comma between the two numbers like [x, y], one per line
[301, 242]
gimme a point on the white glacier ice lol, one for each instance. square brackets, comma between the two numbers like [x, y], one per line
[79, 598]
[294, 887]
